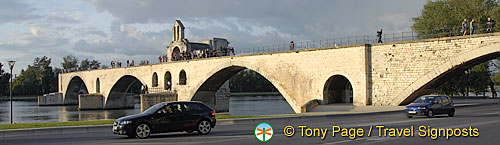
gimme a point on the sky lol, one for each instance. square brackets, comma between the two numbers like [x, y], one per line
[120, 30]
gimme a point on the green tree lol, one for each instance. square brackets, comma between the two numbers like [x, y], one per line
[4, 81]
[250, 81]
[44, 73]
[69, 62]
[444, 17]
[37, 79]
[94, 64]
[85, 64]
[440, 18]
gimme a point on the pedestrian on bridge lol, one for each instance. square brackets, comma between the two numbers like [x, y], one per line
[379, 36]
[472, 23]
[490, 24]
[465, 26]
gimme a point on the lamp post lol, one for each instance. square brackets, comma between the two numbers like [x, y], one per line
[11, 65]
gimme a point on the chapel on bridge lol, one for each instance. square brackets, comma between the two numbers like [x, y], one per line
[180, 44]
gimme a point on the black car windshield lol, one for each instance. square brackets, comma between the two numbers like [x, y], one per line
[424, 99]
[154, 108]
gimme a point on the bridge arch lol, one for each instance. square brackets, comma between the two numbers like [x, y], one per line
[122, 93]
[206, 89]
[338, 89]
[436, 77]
[76, 86]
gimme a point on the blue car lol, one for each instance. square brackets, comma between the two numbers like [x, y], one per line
[430, 106]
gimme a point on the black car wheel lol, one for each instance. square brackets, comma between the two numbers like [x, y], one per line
[204, 127]
[451, 113]
[142, 131]
[430, 114]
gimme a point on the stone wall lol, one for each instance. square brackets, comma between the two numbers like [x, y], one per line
[396, 66]
[51, 99]
[148, 100]
[90, 101]
[222, 98]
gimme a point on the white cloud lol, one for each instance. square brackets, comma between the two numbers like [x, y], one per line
[131, 29]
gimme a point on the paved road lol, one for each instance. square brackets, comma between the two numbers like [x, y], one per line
[485, 118]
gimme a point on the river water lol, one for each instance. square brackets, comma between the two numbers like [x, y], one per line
[29, 111]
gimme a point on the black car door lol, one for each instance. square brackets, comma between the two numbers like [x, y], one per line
[159, 119]
[192, 115]
[174, 119]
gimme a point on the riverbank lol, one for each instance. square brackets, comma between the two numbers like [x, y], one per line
[55, 124]
[254, 93]
[20, 98]
[110, 122]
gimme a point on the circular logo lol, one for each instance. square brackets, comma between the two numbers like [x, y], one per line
[264, 132]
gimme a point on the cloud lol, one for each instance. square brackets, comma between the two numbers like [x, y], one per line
[126, 40]
[15, 12]
[131, 29]
[35, 38]
[88, 31]
[311, 20]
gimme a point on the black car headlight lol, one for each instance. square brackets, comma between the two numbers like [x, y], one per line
[423, 108]
[125, 122]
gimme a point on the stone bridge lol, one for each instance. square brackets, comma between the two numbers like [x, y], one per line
[373, 74]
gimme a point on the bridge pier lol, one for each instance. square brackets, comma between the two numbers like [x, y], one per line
[90, 101]
[218, 99]
[148, 100]
[51, 99]
[126, 101]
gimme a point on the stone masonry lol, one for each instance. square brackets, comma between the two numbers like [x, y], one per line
[380, 74]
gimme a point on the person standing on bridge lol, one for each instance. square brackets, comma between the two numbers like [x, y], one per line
[465, 27]
[472, 22]
[292, 45]
[379, 36]
[490, 25]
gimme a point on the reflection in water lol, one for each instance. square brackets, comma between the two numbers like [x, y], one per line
[258, 105]
[29, 111]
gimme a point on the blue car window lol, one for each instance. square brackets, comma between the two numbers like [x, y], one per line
[437, 100]
[424, 99]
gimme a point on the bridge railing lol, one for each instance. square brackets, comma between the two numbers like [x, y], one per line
[155, 90]
[362, 39]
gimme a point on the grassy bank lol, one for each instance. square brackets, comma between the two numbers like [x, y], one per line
[106, 122]
[54, 124]
[227, 116]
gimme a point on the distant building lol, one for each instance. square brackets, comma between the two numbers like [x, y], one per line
[180, 44]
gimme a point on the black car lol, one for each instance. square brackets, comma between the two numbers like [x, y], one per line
[430, 106]
[167, 117]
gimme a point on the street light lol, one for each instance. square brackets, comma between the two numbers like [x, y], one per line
[11, 65]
